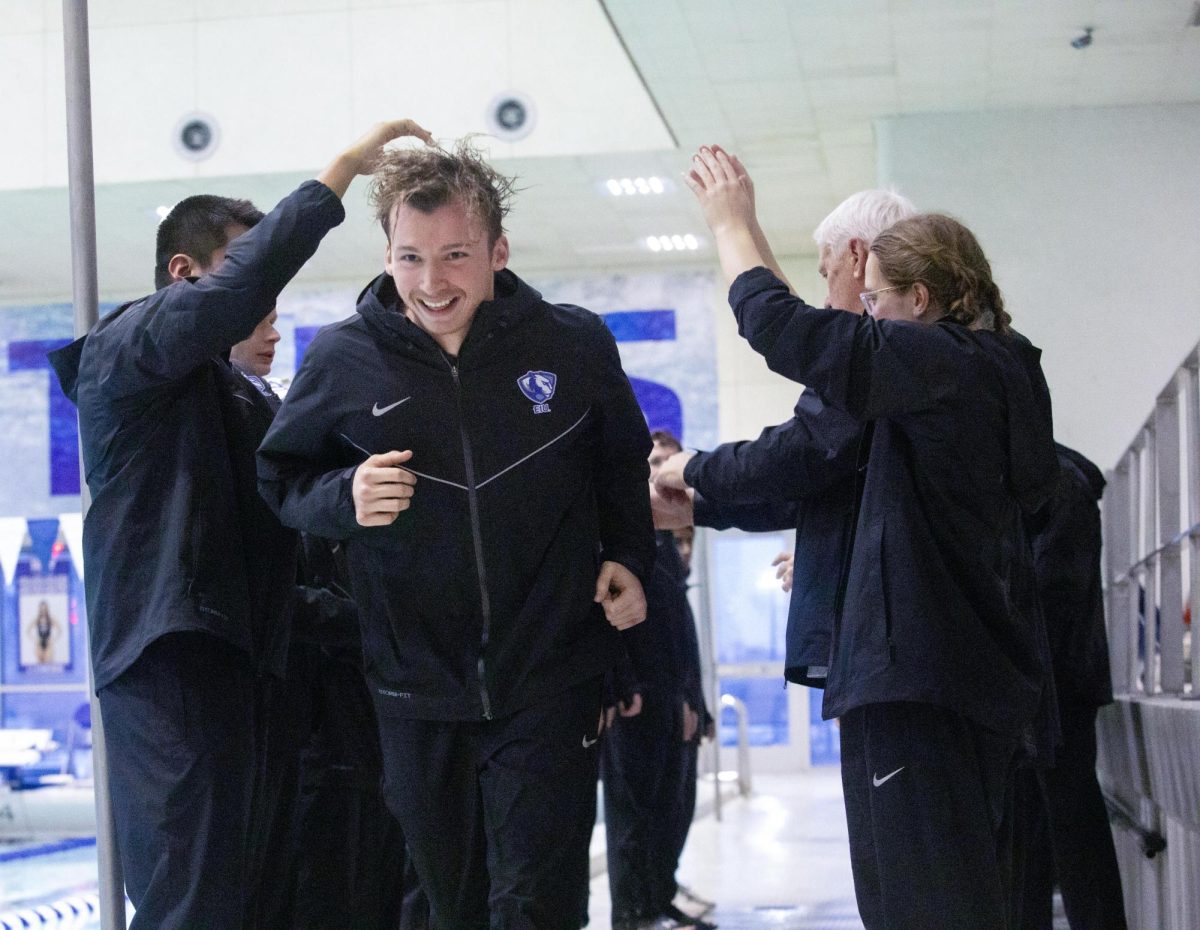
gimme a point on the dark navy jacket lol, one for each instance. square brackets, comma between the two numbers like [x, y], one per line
[477, 601]
[176, 537]
[937, 606]
[1066, 549]
[798, 475]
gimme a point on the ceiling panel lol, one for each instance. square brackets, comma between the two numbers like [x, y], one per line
[793, 85]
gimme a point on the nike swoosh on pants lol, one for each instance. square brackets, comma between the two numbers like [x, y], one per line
[877, 781]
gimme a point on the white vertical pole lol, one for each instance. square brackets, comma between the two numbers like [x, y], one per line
[86, 299]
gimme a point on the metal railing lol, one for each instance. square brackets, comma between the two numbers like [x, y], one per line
[1151, 841]
[1152, 544]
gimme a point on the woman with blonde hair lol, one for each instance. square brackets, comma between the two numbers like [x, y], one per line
[935, 668]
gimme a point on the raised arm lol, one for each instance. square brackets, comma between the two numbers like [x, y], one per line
[363, 155]
[166, 335]
[756, 230]
[728, 205]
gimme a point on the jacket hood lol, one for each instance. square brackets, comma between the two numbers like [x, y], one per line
[65, 362]
[1089, 471]
[1032, 465]
[382, 308]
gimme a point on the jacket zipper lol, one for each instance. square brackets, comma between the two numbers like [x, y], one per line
[477, 537]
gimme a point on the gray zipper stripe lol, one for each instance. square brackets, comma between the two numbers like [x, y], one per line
[419, 474]
[501, 473]
[356, 445]
[536, 451]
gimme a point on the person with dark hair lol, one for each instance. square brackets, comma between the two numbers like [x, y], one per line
[936, 668]
[1061, 814]
[648, 757]
[198, 229]
[482, 456]
[190, 578]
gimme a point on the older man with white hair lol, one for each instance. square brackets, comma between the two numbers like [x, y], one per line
[799, 474]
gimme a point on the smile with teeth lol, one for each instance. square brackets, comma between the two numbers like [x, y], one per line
[438, 304]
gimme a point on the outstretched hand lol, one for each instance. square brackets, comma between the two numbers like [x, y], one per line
[670, 472]
[726, 196]
[363, 155]
[723, 188]
[671, 509]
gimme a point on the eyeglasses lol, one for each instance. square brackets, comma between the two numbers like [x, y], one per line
[868, 298]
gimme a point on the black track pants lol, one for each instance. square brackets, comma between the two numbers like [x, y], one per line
[498, 813]
[929, 806]
[643, 766]
[1066, 835]
[179, 727]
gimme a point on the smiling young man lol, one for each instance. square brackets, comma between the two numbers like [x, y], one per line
[482, 455]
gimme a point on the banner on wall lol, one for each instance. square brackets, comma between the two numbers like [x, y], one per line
[39, 434]
[662, 323]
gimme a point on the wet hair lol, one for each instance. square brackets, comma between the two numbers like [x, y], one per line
[945, 256]
[666, 438]
[861, 216]
[196, 227]
[427, 178]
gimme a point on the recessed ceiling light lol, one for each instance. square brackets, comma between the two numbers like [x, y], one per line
[673, 243]
[640, 185]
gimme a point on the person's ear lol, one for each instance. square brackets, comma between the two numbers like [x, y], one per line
[183, 266]
[387, 257]
[500, 254]
[858, 258]
[920, 295]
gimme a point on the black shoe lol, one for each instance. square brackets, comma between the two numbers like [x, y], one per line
[684, 919]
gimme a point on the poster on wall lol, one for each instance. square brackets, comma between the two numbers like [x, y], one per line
[43, 615]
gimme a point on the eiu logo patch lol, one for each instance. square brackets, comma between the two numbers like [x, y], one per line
[539, 387]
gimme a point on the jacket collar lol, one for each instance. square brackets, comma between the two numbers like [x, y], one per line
[381, 307]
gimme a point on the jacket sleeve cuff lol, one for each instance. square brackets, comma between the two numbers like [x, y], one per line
[640, 567]
[329, 203]
[752, 282]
